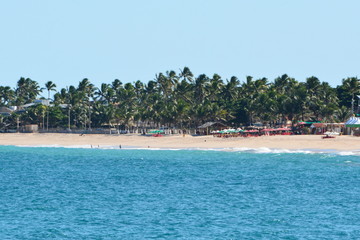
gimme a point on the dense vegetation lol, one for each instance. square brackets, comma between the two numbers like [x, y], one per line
[181, 100]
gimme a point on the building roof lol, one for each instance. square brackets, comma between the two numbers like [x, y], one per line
[210, 124]
[6, 110]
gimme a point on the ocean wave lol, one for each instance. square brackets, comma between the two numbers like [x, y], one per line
[349, 153]
[261, 150]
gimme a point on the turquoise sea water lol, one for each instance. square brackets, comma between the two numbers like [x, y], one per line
[57, 193]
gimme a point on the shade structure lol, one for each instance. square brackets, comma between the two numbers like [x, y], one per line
[353, 122]
[212, 124]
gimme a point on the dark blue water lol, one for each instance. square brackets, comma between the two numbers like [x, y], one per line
[55, 193]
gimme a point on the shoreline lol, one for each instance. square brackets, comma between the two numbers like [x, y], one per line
[313, 143]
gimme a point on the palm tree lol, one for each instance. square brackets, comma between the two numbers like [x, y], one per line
[86, 91]
[6, 95]
[166, 82]
[50, 86]
[347, 91]
[248, 103]
[200, 88]
[27, 90]
[288, 102]
[173, 99]
[215, 88]
[186, 74]
[231, 89]
[342, 114]
[105, 94]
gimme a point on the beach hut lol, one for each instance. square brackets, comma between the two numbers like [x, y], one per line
[211, 126]
[320, 128]
[31, 128]
[336, 127]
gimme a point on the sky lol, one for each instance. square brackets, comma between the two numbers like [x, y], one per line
[68, 40]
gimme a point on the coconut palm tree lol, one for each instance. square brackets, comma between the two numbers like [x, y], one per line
[186, 74]
[27, 90]
[347, 91]
[342, 114]
[50, 86]
[6, 95]
[200, 88]
[86, 91]
[215, 88]
[105, 94]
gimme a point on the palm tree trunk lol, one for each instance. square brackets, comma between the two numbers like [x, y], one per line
[69, 129]
[89, 117]
[47, 121]
[47, 114]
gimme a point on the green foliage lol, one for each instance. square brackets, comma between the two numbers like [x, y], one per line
[183, 100]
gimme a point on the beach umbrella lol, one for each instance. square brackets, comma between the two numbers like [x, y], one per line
[268, 130]
[251, 131]
[231, 131]
[156, 131]
[353, 122]
[283, 129]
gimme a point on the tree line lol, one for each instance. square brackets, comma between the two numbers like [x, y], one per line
[180, 100]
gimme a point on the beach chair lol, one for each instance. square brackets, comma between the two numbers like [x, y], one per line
[327, 136]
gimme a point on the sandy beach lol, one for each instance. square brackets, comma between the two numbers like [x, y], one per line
[307, 142]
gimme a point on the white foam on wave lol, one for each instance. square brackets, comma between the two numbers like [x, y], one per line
[261, 150]
[54, 146]
[265, 150]
[347, 153]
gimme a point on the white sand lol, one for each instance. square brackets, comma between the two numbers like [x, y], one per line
[341, 143]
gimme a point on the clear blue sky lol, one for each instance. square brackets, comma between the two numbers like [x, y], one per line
[68, 40]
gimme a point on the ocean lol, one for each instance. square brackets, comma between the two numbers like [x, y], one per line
[63, 193]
